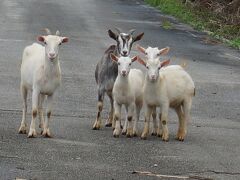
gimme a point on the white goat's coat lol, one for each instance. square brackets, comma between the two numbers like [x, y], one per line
[128, 91]
[38, 71]
[174, 88]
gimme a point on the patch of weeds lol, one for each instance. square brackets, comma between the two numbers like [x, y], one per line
[166, 24]
[200, 19]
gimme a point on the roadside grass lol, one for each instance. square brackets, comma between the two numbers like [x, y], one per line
[200, 19]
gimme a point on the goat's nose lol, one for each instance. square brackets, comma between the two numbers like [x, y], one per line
[124, 72]
[51, 54]
[153, 76]
[124, 52]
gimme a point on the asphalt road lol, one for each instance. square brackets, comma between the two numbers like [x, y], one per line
[212, 146]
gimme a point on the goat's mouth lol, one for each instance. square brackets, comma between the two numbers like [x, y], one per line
[124, 74]
[153, 79]
[51, 58]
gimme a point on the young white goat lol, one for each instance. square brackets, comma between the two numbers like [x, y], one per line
[168, 87]
[127, 90]
[40, 72]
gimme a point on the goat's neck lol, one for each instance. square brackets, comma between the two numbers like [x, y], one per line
[123, 81]
[115, 52]
[52, 67]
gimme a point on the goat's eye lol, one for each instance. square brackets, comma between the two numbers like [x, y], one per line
[60, 43]
[159, 68]
[118, 63]
[44, 42]
[147, 67]
[130, 64]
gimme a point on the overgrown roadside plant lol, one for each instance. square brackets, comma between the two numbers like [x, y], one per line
[220, 18]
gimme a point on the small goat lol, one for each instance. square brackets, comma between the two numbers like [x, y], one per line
[167, 87]
[41, 74]
[127, 90]
[106, 70]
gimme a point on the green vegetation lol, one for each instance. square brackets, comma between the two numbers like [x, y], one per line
[166, 24]
[201, 19]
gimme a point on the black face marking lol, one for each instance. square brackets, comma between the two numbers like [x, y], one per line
[125, 43]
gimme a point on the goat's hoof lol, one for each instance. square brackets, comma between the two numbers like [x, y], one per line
[124, 133]
[96, 127]
[23, 129]
[46, 133]
[159, 135]
[129, 135]
[181, 135]
[116, 136]
[116, 133]
[135, 134]
[143, 136]
[154, 134]
[108, 125]
[180, 138]
[32, 133]
[165, 139]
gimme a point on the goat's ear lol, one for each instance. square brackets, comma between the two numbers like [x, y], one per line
[138, 37]
[64, 39]
[141, 61]
[112, 34]
[141, 49]
[113, 57]
[164, 51]
[134, 58]
[41, 38]
[165, 63]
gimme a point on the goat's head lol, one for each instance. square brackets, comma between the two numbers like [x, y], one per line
[124, 63]
[52, 43]
[153, 53]
[124, 40]
[152, 62]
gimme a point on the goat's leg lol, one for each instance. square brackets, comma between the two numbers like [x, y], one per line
[111, 112]
[97, 123]
[124, 131]
[23, 126]
[46, 130]
[130, 114]
[137, 115]
[154, 115]
[181, 119]
[148, 113]
[40, 111]
[32, 132]
[164, 121]
[182, 131]
[117, 116]
[159, 129]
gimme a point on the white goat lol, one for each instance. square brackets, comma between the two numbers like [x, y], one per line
[127, 90]
[40, 72]
[171, 87]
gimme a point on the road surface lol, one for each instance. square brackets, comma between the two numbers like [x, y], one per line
[212, 146]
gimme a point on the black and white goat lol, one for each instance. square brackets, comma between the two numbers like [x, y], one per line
[106, 70]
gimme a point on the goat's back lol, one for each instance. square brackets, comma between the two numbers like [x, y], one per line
[106, 70]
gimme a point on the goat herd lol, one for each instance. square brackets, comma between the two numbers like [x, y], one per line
[164, 86]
